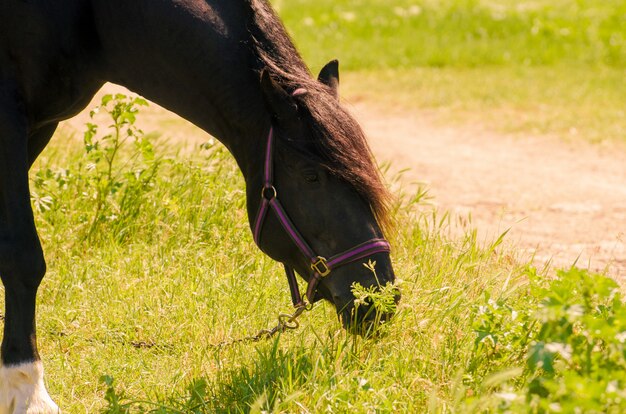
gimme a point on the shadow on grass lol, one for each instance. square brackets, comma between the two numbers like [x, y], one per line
[273, 378]
[276, 376]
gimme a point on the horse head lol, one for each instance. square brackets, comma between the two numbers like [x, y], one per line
[318, 204]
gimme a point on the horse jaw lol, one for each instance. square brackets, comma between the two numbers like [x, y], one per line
[22, 390]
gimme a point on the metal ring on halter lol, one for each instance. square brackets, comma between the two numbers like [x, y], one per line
[273, 194]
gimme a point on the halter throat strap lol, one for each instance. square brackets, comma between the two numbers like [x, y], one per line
[320, 266]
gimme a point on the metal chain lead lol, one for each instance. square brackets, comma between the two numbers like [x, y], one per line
[286, 322]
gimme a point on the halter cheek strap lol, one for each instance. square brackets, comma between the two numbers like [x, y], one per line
[321, 266]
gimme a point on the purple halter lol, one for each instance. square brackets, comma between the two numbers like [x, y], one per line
[321, 266]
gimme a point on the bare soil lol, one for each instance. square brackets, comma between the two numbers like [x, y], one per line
[564, 202]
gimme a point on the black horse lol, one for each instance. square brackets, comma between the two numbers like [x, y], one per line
[229, 67]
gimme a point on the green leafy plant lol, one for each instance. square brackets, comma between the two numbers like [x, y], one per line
[565, 342]
[115, 400]
[381, 300]
[117, 189]
[113, 180]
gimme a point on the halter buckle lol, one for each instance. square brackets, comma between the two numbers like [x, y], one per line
[320, 266]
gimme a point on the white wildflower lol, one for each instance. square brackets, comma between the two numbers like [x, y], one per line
[576, 311]
[612, 386]
[565, 351]
[507, 396]
[621, 337]
[555, 408]
[348, 16]
[414, 10]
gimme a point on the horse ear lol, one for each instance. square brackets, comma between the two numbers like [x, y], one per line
[279, 101]
[329, 76]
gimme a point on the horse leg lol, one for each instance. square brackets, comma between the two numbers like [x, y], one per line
[22, 268]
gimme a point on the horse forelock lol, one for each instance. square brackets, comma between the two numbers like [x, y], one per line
[337, 136]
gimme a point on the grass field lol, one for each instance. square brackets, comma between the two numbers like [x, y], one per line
[151, 267]
[572, 103]
[189, 277]
[169, 269]
[375, 34]
[540, 67]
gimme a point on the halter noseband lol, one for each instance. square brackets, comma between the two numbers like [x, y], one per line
[321, 266]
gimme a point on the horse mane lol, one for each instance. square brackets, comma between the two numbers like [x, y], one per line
[339, 139]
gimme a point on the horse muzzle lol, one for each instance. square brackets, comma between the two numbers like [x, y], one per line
[365, 318]
[363, 310]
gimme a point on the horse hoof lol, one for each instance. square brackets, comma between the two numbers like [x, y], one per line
[22, 390]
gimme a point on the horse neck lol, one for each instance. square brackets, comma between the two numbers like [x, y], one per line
[190, 57]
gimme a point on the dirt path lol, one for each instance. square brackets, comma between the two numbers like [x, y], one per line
[562, 201]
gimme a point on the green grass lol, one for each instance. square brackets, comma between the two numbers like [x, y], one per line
[572, 103]
[538, 67]
[152, 266]
[375, 34]
[177, 269]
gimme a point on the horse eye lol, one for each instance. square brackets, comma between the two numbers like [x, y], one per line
[311, 178]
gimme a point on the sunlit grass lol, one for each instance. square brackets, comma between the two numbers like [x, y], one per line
[375, 34]
[574, 103]
[531, 67]
[148, 309]
[135, 324]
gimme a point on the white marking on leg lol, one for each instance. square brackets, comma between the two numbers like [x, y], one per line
[22, 390]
